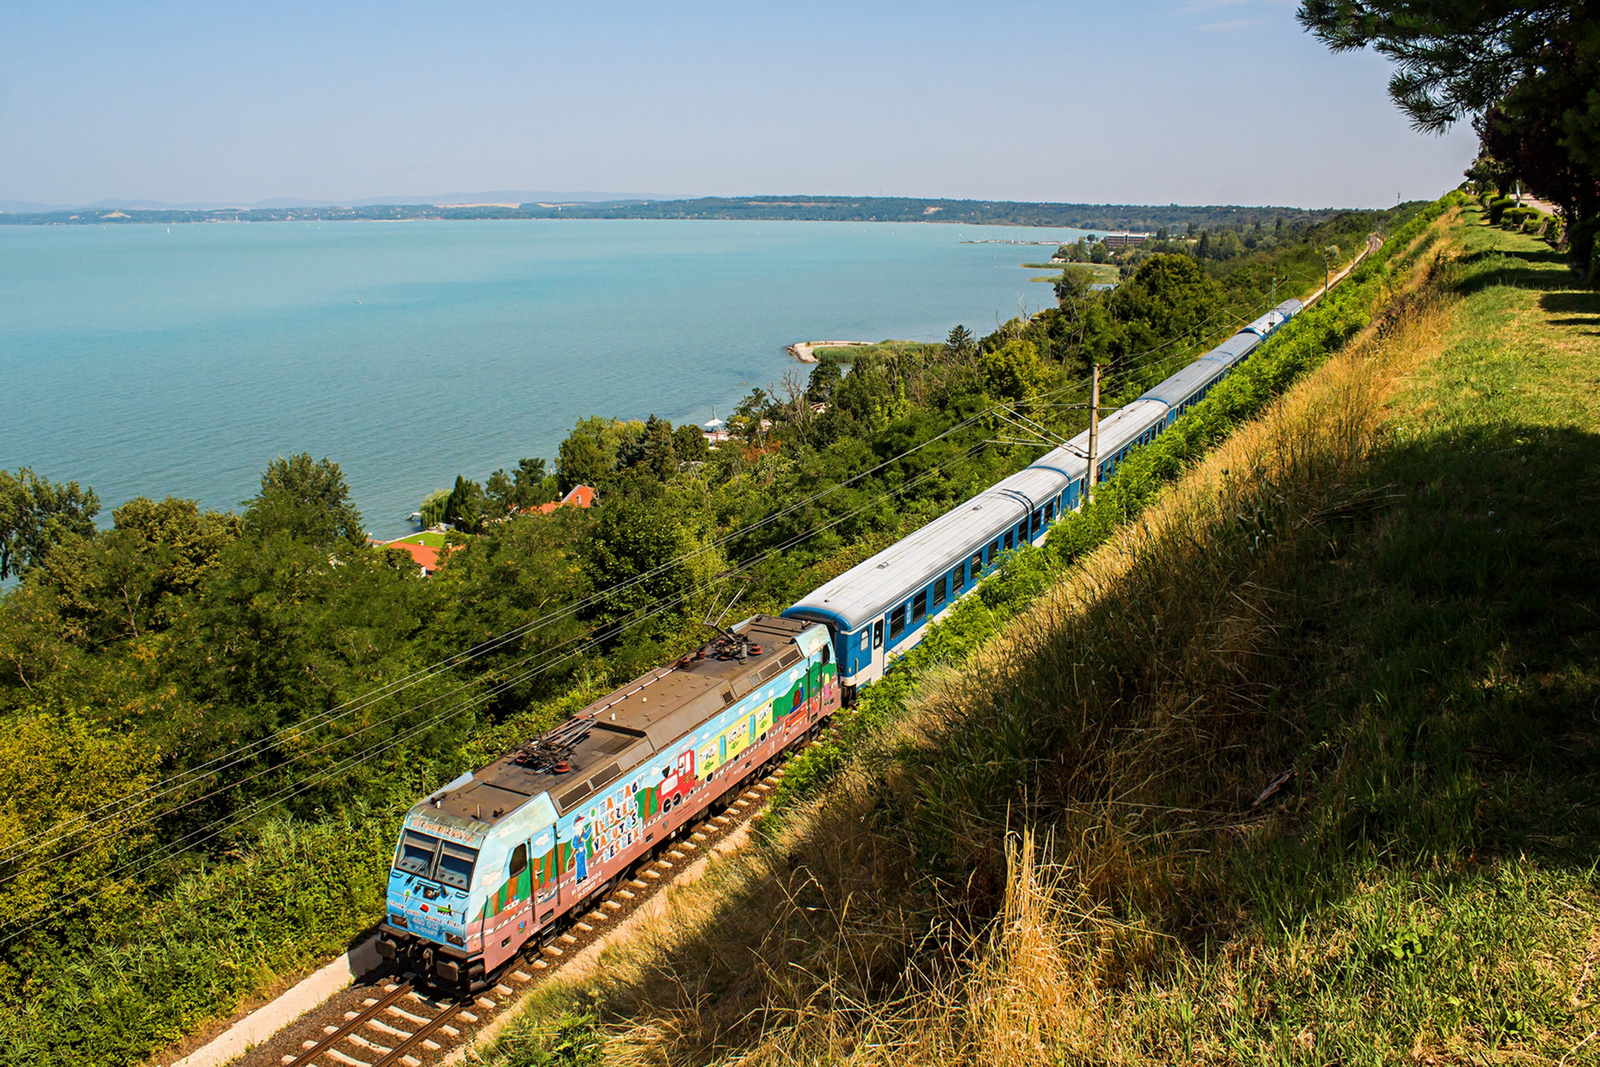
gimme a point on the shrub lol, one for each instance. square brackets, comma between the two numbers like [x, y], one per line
[1514, 218]
[1498, 208]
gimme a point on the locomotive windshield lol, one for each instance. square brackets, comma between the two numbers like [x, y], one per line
[455, 865]
[444, 861]
[416, 852]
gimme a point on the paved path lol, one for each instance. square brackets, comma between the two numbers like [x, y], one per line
[273, 1016]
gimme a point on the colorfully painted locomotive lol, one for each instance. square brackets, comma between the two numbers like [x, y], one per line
[505, 856]
[502, 856]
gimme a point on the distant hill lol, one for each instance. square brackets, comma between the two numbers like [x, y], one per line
[755, 208]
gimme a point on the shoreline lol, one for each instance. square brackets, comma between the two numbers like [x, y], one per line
[805, 351]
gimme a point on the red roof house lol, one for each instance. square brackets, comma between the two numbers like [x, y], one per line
[582, 496]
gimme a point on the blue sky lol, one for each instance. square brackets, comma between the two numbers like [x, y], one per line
[1204, 101]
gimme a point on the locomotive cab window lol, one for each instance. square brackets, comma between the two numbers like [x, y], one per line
[519, 860]
[455, 865]
[827, 653]
[416, 852]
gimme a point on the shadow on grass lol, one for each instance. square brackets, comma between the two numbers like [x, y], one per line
[1582, 306]
[1470, 719]
[1527, 269]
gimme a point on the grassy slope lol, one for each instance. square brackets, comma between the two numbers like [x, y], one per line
[1385, 589]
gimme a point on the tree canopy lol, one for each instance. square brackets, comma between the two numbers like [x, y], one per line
[36, 515]
[1526, 72]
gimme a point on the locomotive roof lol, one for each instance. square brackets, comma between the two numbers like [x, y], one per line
[630, 725]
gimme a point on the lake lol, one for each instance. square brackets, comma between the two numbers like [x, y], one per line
[154, 360]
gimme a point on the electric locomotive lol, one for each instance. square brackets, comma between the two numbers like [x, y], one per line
[502, 858]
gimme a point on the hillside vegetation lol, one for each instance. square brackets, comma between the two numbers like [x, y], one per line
[1298, 766]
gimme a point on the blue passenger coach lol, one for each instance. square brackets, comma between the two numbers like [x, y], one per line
[879, 609]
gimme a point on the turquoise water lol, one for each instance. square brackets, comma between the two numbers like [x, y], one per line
[178, 360]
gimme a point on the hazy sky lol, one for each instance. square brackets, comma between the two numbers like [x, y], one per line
[1204, 101]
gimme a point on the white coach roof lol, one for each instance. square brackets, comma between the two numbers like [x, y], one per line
[864, 592]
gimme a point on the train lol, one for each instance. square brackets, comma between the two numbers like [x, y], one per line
[499, 861]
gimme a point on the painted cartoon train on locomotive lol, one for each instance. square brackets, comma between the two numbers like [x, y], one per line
[502, 856]
[882, 607]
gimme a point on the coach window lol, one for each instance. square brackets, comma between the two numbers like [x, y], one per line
[877, 634]
[1011, 540]
[866, 640]
[897, 621]
[958, 578]
[994, 550]
[1050, 512]
[977, 564]
[919, 605]
[938, 592]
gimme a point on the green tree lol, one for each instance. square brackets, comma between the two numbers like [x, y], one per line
[308, 500]
[37, 514]
[959, 343]
[534, 484]
[1453, 59]
[690, 444]
[1168, 295]
[1526, 72]
[466, 509]
[132, 579]
[825, 378]
[589, 454]
[1014, 371]
[637, 551]
[432, 509]
[657, 455]
[501, 493]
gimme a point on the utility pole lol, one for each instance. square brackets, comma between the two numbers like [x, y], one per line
[1094, 426]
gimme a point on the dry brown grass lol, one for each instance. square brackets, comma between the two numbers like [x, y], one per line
[914, 915]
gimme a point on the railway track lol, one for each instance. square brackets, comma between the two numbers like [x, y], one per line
[392, 1020]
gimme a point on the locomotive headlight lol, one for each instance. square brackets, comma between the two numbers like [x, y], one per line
[455, 939]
